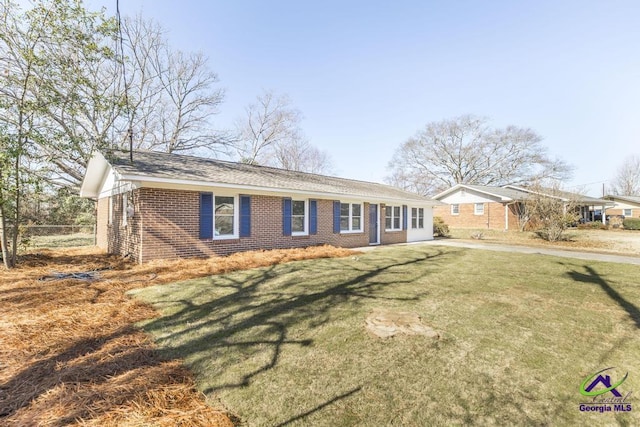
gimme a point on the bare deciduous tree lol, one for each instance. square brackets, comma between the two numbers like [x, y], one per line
[271, 120]
[627, 179]
[300, 155]
[173, 95]
[270, 134]
[467, 150]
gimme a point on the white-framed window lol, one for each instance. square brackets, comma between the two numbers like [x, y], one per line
[299, 217]
[455, 209]
[392, 218]
[626, 212]
[225, 217]
[350, 217]
[417, 218]
[478, 208]
[110, 210]
[124, 210]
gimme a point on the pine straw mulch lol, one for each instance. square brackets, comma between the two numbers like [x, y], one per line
[69, 351]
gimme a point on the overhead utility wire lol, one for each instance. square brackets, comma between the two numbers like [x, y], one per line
[120, 42]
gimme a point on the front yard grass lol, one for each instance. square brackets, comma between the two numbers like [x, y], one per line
[286, 345]
[62, 241]
[623, 242]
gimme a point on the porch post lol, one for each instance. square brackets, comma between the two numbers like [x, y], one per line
[506, 216]
[604, 216]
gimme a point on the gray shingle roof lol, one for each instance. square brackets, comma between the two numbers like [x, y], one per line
[522, 193]
[567, 195]
[198, 169]
[500, 191]
[632, 199]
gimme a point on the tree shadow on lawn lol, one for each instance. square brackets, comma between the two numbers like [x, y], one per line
[262, 307]
[319, 407]
[593, 277]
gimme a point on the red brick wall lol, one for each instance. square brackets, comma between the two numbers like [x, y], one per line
[113, 235]
[493, 217]
[170, 227]
[390, 237]
[635, 212]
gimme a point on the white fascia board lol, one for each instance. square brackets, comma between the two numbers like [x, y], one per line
[183, 184]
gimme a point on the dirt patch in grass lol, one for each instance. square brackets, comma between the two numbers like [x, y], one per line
[383, 323]
[69, 353]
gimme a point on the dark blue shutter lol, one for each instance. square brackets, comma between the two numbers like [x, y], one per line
[206, 215]
[336, 216]
[313, 217]
[404, 217]
[286, 217]
[245, 216]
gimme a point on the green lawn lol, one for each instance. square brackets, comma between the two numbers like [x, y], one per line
[286, 345]
[62, 240]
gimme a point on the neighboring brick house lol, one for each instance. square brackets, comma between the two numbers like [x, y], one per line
[168, 206]
[627, 206]
[477, 206]
[500, 208]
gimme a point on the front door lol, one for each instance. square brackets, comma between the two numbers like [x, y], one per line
[373, 224]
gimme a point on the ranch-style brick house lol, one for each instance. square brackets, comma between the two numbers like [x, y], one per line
[499, 208]
[627, 206]
[169, 206]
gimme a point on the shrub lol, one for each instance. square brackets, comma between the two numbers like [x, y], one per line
[440, 228]
[593, 225]
[628, 224]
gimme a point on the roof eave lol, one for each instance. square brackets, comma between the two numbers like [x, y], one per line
[142, 179]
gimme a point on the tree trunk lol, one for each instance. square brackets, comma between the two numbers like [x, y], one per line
[3, 230]
[3, 240]
[16, 215]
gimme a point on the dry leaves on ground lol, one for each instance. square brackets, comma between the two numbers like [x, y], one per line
[69, 351]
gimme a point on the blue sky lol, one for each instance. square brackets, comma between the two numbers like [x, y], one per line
[368, 75]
